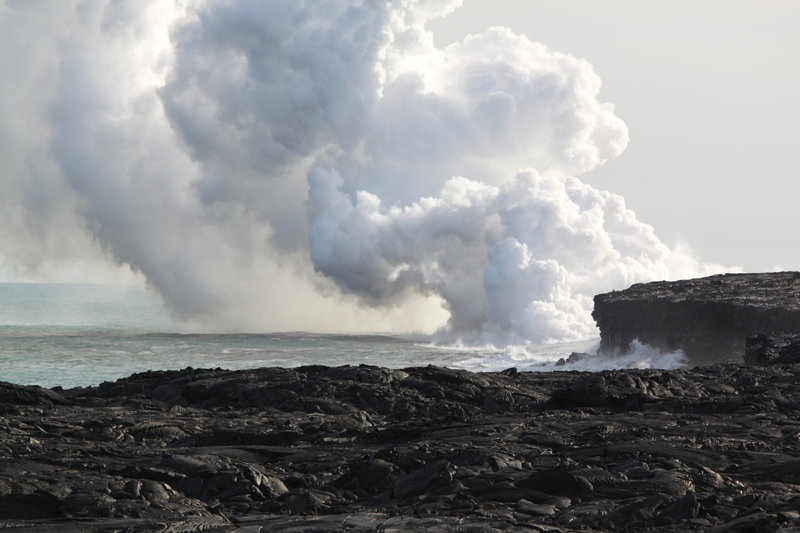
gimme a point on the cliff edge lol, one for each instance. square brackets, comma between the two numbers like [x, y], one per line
[708, 318]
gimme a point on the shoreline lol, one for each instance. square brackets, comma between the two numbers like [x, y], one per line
[360, 448]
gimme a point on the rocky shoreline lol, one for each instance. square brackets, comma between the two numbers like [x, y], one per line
[364, 448]
[709, 318]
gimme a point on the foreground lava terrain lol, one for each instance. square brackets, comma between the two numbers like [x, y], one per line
[422, 449]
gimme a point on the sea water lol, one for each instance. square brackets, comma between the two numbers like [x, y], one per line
[81, 335]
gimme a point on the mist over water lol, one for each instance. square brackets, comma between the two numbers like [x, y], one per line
[297, 165]
[80, 335]
[43, 306]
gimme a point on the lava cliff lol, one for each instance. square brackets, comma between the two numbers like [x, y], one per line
[708, 318]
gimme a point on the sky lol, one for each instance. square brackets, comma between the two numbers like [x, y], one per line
[709, 92]
[478, 170]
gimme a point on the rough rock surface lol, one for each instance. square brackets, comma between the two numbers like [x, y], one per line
[363, 449]
[708, 318]
[772, 349]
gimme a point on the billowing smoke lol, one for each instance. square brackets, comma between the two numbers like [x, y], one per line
[316, 165]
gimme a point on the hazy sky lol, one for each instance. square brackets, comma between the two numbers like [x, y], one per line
[709, 91]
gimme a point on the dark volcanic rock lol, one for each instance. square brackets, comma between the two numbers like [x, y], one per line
[708, 318]
[573, 358]
[12, 395]
[559, 482]
[764, 349]
[362, 449]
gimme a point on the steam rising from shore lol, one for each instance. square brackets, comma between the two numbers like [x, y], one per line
[316, 165]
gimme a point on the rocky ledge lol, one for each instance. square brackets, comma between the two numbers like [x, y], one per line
[708, 318]
[362, 449]
[764, 349]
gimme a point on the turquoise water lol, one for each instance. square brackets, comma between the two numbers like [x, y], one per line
[79, 335]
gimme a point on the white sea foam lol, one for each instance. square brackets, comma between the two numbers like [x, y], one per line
[555, 356]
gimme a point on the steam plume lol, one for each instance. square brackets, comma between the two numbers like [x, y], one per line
[255, 160]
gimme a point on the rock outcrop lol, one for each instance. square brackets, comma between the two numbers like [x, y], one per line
[708, 318]
[363, 449]
[764, 349]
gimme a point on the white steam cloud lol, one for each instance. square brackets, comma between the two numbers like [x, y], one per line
[315, 165]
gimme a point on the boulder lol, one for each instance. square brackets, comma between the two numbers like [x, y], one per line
[708, 318]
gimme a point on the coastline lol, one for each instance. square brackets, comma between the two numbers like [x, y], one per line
[366, 448]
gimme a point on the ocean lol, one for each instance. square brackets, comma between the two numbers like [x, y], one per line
[81, 335]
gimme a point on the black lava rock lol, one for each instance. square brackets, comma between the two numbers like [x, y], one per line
[764, 349]
[421, 449]
[708, 318]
